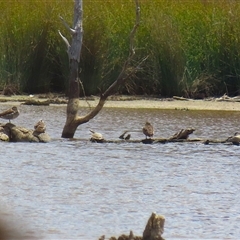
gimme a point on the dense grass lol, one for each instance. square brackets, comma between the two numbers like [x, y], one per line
[193, 46]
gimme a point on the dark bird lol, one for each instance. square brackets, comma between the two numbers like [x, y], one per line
[10, 114]
[148, 129]
[128, 137]
[40, 126]
[123, 135]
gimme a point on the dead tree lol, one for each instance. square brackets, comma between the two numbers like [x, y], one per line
[74, 50]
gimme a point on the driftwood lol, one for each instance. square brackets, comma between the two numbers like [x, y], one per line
[11, 133]
[168, 140]
[37, 102]
[180, 98]
[226, 98]
[153, 230]
[180, 136]
[47, 102]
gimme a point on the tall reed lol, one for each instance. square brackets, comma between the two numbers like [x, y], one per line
[30, 46]
[192, 46]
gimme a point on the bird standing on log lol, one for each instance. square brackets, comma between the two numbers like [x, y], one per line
[40, 126]
[148, 130]
[235, 139]
[10, 114]
[96, 137]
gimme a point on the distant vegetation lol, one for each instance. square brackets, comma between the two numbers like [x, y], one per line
[193, 47]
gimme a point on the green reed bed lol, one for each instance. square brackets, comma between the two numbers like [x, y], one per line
[30, 51]
[192, 46]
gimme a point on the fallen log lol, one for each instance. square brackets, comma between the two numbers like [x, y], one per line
[167, 140]
[180, 136]
[180, 98]
[36, 102]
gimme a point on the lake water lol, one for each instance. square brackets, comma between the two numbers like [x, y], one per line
[75, 189]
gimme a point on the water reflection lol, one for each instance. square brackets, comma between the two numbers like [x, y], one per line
[78, 189]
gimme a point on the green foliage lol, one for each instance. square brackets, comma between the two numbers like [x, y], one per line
[31, 54]
[192, 46]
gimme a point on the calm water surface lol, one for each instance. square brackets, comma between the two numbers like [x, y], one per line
[75, 189]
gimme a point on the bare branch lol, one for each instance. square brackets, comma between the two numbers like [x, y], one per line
[91, 114]
[65, 40]
[71, 30]
[81, 84]
[126, 72]
[137, 23]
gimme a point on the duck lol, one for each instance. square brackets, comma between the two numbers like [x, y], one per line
[148, 130]
[10, 114]
[40, 126]
[235, 139]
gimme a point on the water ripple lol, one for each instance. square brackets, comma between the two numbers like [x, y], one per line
[68, 186]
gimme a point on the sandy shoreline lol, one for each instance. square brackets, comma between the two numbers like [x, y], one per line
[138, 102]
[176, 104]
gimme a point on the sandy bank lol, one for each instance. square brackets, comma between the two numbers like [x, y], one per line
[139, 102]
[176, 104]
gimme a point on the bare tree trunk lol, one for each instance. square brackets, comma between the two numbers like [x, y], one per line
[73, 120]
[74, 51]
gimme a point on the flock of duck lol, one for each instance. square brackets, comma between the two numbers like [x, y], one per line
[147, 130]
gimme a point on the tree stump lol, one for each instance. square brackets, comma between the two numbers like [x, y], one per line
[154, 228]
